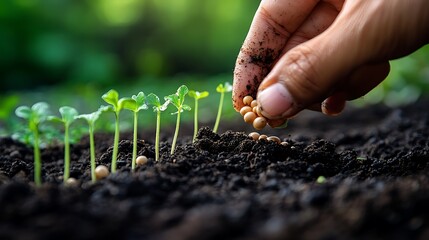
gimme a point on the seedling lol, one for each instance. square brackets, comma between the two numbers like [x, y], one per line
[35, 115]
[222, 89]
[68, 115]
[112, 98]
[153, 100]
[197, 96]
[177, 100]
[135, 104]
[91, 118]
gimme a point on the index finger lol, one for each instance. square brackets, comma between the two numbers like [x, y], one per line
[273, 24]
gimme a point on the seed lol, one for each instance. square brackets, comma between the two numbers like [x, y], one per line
[257, 111]
[245, 110]
[141, 160]
[254, 103]
[101, 172]
[254, 135]
[263, 136]
[249, 117]
[274, 138]
[284, 144]
[247, 100]
[259, 123]
[71, 182]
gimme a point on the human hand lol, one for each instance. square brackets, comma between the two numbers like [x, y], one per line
[311, 54]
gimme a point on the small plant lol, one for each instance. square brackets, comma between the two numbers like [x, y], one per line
[68, 115]
[222, 89]
[112, 98]
[197, 96]
[135, 104]
[35, 115]
[91, 118]
[177, 100]
[153, 100]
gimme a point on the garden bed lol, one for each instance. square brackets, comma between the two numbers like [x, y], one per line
[363, 175]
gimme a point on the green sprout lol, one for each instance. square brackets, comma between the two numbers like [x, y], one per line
[91, 118]
[177, 100]
[112, 98]
[35, 115]
[197, 96]
[135, 104]
[68, 115]
[153, 100]
[222, 89]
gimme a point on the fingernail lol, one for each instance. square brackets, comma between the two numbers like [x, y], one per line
[274, 101]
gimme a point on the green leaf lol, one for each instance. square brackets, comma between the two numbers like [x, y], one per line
[40, 111]
[55, 119]
[127, 103]
[153, 100]
[112, 98]
[224, 88]
[68, 114]
[182, 91]
[23, 112]
[198, 95]
[140, 99]
[186, 107]
[174, 99]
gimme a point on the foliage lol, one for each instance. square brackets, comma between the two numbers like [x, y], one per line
[222, 89]
[68, 116]
[112, 98]
[137, 103]
[178, 100]
[197, 96]
[91, 118]
[154, 101]
[35, 115]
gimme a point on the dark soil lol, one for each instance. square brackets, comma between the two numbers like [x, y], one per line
[228, 186]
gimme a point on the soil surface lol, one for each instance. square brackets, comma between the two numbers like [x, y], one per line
[363, 175]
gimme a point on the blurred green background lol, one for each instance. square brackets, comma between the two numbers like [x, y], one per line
[69, 52]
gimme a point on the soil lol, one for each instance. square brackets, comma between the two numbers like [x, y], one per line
[363, 175]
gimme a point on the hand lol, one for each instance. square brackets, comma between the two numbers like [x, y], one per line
[311, 54]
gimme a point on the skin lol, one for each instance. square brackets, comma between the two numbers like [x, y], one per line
[317, 55]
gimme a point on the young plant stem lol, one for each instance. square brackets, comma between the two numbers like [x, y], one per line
[133, 162]
[37, 160]
[176, 132]
[195, 120]
[115, 145]
[66, 154]
[158, 125]
[92, 152]
[219, 112]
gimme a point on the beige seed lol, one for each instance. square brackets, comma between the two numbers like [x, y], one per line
[255, 109]
[284, 144]
[254, 135]
[249, 117]
[274, 138]
[263, 137]
[254, 103]
[259, 123]
[258, 111]
[245, 110]
[101, 172]
[247, 100]
[141, 160]
[71, 182]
